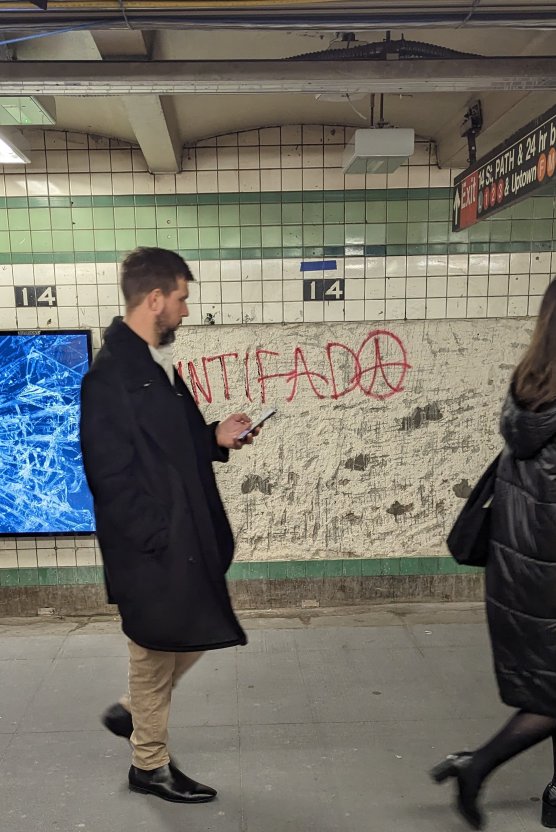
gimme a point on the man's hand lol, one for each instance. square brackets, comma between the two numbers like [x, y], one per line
[227, 432]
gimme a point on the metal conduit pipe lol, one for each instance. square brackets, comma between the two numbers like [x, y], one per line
[403, 49]
[291, 15]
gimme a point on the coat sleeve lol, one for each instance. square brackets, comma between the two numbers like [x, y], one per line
[219, 454]
[109, 458]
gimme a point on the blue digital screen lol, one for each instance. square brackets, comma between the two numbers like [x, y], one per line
[43, 489]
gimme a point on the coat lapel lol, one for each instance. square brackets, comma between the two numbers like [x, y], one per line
[158, 408]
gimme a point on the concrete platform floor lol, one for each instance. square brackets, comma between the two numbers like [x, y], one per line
[326, 722]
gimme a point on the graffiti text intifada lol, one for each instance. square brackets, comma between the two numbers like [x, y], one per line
[376, 369]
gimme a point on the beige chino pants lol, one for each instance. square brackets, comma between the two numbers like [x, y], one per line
[152, 676]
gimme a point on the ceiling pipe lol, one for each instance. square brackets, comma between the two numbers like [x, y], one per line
[295, 15]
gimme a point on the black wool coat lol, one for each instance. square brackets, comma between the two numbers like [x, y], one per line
[521, 570]
[165, 539]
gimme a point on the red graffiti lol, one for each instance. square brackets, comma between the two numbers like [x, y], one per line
[290, 376]
[222, 359]
[196, 385]
[378, 367]
[377, 370]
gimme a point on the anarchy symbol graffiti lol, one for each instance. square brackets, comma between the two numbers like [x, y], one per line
[387, 367]
[379, 366]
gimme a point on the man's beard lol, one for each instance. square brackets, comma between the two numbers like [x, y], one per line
[166, 335]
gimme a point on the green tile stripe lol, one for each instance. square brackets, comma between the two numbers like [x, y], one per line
[239, 198]
[260, 570]
[248, 226]
[352, 568]
[280, 253]
[51, 576]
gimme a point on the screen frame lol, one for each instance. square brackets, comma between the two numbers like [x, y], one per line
[89, 338]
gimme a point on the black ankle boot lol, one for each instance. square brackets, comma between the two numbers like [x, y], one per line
[458, 766]
[169, 783]
[118, 720]
[549, 806]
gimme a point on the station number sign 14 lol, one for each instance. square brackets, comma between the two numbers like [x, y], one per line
[35, 296]
[323, 289]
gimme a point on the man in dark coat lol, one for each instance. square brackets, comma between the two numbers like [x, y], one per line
[165, 538]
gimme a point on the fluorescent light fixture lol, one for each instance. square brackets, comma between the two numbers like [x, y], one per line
[26, 109]
[13, 148]
[378, 150]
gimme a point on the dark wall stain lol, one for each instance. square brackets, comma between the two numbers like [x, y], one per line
[358, 463]
[422, 415]
[255, 483]
[462, 489]
[397, 509]
[209, 318]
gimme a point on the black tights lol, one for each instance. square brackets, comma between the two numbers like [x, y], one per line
[523, 731]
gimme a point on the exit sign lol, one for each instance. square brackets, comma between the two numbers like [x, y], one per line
[516, 169]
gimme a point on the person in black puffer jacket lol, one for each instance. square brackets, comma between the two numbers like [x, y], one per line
[521, 575]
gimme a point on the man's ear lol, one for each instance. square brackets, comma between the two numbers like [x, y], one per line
[155, 300]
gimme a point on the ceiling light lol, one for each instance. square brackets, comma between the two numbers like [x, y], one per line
[13, 148]
[17, 109]
[378, 150]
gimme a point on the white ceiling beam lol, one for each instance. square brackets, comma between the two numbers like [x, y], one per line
[175, 77]
[156, 131]
[151, 117]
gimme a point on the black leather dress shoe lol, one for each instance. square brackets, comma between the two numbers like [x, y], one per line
[549, 806]
[118, 720]
[458, 767]
[169, 783]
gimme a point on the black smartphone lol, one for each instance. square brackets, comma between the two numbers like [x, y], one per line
[260, 421]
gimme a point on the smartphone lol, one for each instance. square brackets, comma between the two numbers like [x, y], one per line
[260, 421]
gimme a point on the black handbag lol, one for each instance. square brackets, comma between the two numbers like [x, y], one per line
[469, 539]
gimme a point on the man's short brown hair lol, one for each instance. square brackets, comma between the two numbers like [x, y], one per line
[145, 269]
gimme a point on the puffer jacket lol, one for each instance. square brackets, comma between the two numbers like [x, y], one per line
[521, 570]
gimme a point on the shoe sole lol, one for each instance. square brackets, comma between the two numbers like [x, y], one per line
[139, 790]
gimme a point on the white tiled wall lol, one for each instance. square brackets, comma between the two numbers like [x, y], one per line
[254, 290]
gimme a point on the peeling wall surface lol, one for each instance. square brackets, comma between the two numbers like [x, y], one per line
[379, 436]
